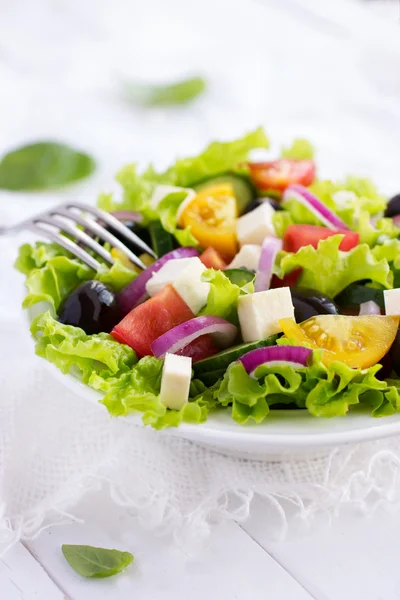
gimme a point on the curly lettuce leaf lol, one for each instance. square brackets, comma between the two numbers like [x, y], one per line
[117, 276]
[138, 391]
[98, 357]
[217, 158]
[281, 220]
[168, 215]
[350, 197]
[137, 191]
[110, 367]
[354, 200]
[390, 251]
[326, 391]
[330, 270]
[52, 274]
[223, 295]
[300, 149]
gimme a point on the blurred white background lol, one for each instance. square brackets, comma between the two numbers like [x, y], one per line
[298, 67]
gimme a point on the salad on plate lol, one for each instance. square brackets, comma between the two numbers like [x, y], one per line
[272, 289]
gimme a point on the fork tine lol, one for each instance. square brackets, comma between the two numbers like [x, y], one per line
[81, 236]
[65, 243]
[116, 224]
[98, 230]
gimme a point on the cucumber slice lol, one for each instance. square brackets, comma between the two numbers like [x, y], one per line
[239, 276]
[211, 377]
[355, 294]
[243, 188]
[161, 241]
[221, 361]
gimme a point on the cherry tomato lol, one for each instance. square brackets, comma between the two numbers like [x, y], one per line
[213, 259]
[279, 174]
[359, 342]
[211, 216]
[297, 236]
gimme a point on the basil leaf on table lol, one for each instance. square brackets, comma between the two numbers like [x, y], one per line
[89, 561]
[179, 92]
[42, 166]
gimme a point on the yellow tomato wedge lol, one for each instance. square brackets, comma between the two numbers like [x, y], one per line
[211, 216]
[118, 254]
[359, 342]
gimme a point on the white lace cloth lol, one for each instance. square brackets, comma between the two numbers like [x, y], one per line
[54, 447]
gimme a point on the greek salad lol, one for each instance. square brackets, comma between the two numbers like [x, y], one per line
[272, 289]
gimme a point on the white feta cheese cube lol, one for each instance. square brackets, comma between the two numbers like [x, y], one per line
[185, 275]
[190, 287]
[167, 274]
[175, 381]
[164, 190]
[256, 225]
[247, 257]
[392, 302]
[259, 313]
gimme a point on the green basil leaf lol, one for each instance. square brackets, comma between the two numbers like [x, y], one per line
[179, 92]
[96, 562]
[43, 165]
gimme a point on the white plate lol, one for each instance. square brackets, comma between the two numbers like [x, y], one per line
[284, 432]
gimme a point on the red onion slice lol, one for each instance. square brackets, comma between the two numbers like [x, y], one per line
[294, 356]
[306, 198]
[127, 215]
[396, 220]
[369, 308]
[135, 292]
[269, 249]
[223, 333]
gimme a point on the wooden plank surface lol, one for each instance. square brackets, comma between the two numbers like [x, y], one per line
[23, 578]
[356, 557]
[230, 567]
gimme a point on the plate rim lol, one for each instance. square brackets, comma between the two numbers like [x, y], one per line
[245, 436]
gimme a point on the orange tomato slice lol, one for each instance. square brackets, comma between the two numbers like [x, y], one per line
[211, 216]
[359, 342]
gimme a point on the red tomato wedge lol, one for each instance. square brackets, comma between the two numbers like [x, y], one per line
[156, 316]
[279, 174]
[201, 348]
[149, 320]
[297, 236]
[290, 280]
[212, 259]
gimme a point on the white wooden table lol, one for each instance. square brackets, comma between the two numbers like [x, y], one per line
[56, 80]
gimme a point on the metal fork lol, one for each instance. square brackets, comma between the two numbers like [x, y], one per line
[64, 219]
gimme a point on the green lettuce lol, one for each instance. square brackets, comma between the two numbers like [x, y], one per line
[217, 158]
[138, 391]
[354, 200]
[112, 368]
[223, 296]
[390, 251]
[52, 273]
[326, 391]
[92, 357]
[330, 270]
[299, 150]
[168, 214]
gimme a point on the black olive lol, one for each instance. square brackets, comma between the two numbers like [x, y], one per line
[309, 303]
[395, 354]
[92, 306]
[393, 207]
[257, 201]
